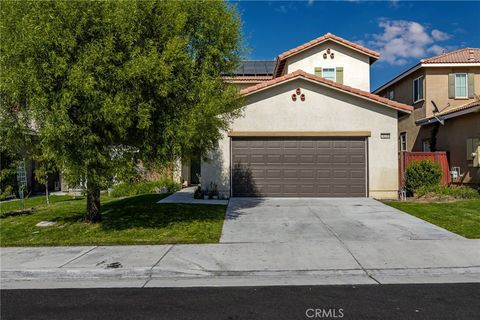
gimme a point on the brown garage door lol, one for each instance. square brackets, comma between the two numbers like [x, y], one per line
[298, 167]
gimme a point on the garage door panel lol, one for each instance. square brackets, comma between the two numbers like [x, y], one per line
[290, 158]
[324, 158]
[340, 158]
[306, 158]
[257, 158]
[298, 167]
[357, 174]
[357, 158]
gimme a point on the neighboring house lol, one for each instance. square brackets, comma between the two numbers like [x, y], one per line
[309, 128]
[442, 89]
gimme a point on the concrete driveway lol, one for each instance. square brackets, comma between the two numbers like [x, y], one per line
[314, 219]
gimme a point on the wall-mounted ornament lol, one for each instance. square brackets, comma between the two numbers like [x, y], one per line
[324, 56]
[294, 97]
[331, 55]
[328, 50]
[298, 91]
[302, 97]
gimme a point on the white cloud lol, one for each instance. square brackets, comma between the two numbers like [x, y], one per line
[436, 49]
[439, 35]
[402, 40]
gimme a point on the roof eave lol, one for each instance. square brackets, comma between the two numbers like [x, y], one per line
[300, 76]
[431, 120]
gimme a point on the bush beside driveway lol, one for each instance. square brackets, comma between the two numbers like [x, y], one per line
[460, 217]
[132, 220]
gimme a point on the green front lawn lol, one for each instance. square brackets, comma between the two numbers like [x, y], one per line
[133, 220]
[460, 217]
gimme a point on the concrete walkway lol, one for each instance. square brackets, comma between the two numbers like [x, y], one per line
[185, 196]
[240, 264]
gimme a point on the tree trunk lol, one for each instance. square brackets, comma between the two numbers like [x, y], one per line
[93, 203]
[46, 190]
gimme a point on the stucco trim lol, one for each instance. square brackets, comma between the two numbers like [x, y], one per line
[239, 134]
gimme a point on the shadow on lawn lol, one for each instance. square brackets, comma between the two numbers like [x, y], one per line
[144, 212]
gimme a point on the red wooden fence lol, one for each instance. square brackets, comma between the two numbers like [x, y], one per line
[439, 157]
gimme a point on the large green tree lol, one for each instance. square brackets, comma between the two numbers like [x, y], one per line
[101, 84]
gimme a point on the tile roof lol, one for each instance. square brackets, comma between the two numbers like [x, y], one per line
[328, 83]
[465, 55]
[324, 38]
[451, 110]
[247, 79]
[280, 62]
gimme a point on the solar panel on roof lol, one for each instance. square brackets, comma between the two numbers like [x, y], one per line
[251, 67]
[260, 67]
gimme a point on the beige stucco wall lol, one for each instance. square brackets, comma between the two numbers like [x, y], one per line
[452, 137]
[356, 66]
[324, 110]
[437, 86]
[436, 89]
[403, 91]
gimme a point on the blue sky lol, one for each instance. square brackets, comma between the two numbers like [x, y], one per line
[403, 32]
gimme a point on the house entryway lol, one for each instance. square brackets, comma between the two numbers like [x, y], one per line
[195, 171]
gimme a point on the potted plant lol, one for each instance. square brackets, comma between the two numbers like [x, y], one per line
[213, 191]
[198, 193]
[206, 193]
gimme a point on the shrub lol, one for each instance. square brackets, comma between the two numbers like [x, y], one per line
[7, 193]
[130, 189]
[422, 174]
[457, 192]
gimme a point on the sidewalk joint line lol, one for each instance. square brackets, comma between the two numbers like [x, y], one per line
[332, 231]
[79, 256]
[155, 264]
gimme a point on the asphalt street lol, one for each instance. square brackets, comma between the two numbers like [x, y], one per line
[429, 301]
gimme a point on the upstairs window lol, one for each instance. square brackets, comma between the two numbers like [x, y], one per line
[329, 74]
[461, 85]
[333, 74]
[403, 141]
[391, 94]
[418, 89]
[426, 145]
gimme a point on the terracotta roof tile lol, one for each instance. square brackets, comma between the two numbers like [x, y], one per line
[328, 83]
[247, 78]
[465, 55]
[323, 38]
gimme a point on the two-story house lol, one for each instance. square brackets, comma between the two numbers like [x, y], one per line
[444, 91]
[309, 128]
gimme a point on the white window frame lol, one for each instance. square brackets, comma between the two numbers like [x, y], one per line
[466, 86]
[413, 90]
[403, 134]
[391, 94]
[426, 143]
[334, 73]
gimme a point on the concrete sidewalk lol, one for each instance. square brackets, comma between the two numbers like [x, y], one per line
[185, 196]
[242, 264]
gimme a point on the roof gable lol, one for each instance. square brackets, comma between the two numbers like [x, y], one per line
[281, 59]
[300, 74]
